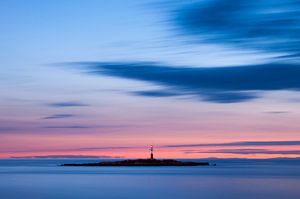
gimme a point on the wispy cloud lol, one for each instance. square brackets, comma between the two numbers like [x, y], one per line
[69, 127]
[58, 116]
[108, 148]
[66, 156]
[221, 85]
[248, 143]
[85, 126]
[277, 112]
[271, 25]
[156, 93]
[247, 151]
[6, 129]
[67, 104]
[79, 149]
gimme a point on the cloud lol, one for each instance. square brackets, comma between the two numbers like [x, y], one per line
[247, 143]
[69, 127]
[248, 151]
[58, 116]
[277, 112]
[271, 25]
[155, 93]
[228, 97]
[108, 148]
[66, 156]
[67, 104]
[82, 149]
[218, 97]
[6, 129]
[215, 84]
[84, 126]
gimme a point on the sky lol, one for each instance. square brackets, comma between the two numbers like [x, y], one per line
[196, 79]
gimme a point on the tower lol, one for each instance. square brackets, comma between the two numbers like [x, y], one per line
[151, 154]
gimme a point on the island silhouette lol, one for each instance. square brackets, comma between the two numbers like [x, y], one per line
[142, 162]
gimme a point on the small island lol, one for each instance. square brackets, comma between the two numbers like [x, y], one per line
[142, 162]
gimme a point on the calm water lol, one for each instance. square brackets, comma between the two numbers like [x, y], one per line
[232, 179]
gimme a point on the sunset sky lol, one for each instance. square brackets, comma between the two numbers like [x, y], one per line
[206, 78]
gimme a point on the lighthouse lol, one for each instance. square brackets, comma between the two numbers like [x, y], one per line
[151, 152]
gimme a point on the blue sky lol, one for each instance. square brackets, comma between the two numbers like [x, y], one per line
[147, 72]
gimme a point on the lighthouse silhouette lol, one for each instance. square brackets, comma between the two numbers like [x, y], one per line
[151, 154]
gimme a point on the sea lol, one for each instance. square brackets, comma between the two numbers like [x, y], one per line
[229, 179]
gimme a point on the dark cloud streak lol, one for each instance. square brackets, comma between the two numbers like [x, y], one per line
[216, 84]
[248, 143]
[66, 104]
[65, 156]
[69, 127]
[248, 151]
[82, 149]
[85, 126]
[277, 112]
[271, 25]
[58, 116]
